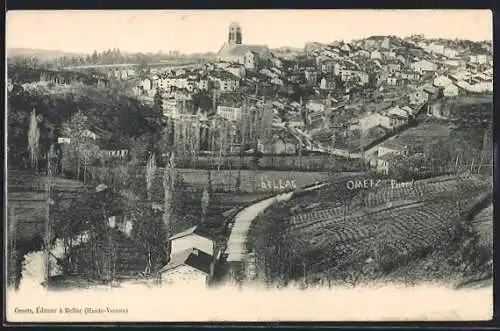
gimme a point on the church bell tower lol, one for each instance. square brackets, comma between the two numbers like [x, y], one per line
[234, 34]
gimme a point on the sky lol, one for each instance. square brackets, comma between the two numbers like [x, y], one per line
[192, 31]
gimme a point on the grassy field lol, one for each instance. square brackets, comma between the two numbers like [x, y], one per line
[369, 234]
[422, 134]
[477, 107]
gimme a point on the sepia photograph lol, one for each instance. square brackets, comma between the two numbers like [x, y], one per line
[248, 165]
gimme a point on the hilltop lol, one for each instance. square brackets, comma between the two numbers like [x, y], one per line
[41, 54]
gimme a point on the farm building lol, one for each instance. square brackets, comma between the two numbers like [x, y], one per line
[192, 238]
[190, 266]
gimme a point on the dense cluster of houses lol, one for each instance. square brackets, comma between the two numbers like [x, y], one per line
[247, 90]
[338, 74]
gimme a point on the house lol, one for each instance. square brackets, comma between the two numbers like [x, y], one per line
[375, 55]
[326, 84]
[315, 106]
[401, 59]
[393, 148]
[230, 112]
[460, 75]
[450, 90]
[418, 97]
[450, 53]
[277, 145]
[438, 110]
[385, 119]
[442, 81]
[268, 73]
[393, 67]
[236, 69]
[170, 106]
[432, 92]
[363, 53]
[188, 267]
[400, 113]
[410, 111]
[383, 163]
[311, 76]
[275, 61]
[329, 66]
[435, 48]
[225, 81]
[146, 84]
[423, 66]
[364, 78]
[192, 238]
[385, 152]
[479, 58]
[251, 60]
[410, 75]
[345, 49]
[203, 83]
[389, 55]
[396, 121]
[372, 120]
[392, 80]
[113, 153]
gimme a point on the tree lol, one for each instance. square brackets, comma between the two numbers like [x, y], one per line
[168, 188]
[149, 233]
[150, 174]
[158, 101]
[143, 69]
[81, 151]
[33, 140]
[139, 148]
[88, 215]
[205, 202]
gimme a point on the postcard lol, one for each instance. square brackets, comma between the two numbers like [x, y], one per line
[249, 165]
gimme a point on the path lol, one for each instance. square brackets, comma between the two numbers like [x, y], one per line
[236, 249]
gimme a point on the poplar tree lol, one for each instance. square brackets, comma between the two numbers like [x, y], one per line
[150, 174]
[33, 140]
[168, 187]
[205, 202]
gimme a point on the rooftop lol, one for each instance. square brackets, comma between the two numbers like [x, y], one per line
[191, 257]
[241, 49]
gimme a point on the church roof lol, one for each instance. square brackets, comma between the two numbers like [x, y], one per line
[241, 49]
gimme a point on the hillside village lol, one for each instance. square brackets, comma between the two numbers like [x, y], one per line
[336, 98]
[363, 103]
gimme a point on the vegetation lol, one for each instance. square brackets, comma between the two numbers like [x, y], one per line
[370, 234]
[121, 118]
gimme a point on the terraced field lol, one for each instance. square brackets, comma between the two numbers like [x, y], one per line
[483, 223]
[335, 227]
[27, 200]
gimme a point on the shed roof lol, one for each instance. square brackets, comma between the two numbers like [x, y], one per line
[192, 257]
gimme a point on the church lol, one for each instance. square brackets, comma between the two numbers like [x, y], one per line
[251, 56]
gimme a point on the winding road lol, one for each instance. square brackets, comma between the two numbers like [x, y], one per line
[236, 250]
